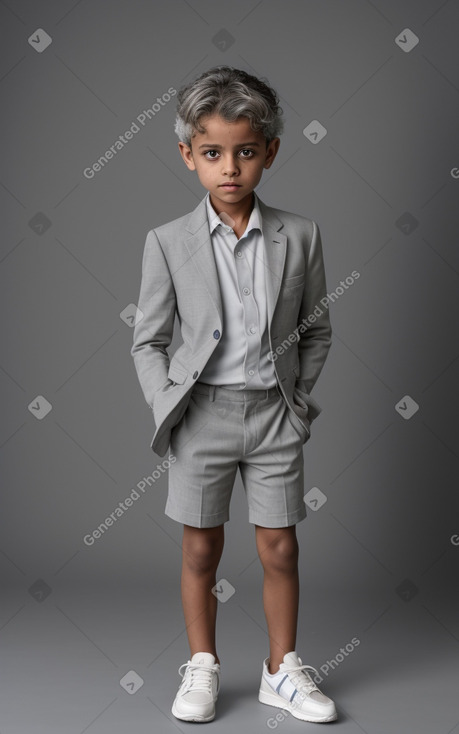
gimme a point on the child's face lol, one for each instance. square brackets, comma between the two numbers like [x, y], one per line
[228, 152]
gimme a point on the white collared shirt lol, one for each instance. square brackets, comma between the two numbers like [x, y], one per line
[240, 359]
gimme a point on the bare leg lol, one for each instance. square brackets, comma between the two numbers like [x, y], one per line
[278, 553]
[201, 552]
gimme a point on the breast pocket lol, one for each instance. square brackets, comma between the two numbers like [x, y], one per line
[293, 287]
[291, 294]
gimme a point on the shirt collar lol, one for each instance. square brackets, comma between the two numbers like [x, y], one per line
[214, 219]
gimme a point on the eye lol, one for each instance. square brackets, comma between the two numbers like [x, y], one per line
[210, 154]
[248, 153]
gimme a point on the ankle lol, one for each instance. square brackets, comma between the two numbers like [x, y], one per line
[273, 667]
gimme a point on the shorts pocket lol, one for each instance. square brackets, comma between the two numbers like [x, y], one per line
[302, 426]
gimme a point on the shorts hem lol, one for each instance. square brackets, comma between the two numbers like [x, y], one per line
[273, 521]
[196, 521]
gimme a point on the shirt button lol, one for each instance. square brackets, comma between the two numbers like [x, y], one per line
[195, 374]
[246, 291]
[216, 334]
[251, 372]
[238, 253]
[253, 330]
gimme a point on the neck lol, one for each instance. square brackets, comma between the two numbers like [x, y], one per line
[239, 211]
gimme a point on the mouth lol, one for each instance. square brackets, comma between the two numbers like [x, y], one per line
[230, 186]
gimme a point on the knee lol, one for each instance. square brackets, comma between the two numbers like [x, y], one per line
[281, 554]
[202, 550]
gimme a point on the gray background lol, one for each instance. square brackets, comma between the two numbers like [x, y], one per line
[379, 560]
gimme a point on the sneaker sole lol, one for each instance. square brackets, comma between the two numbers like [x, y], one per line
[272, 699]
[192, 717]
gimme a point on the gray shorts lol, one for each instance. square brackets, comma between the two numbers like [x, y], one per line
[223, 429]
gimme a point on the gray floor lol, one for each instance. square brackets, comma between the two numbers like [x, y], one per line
[63, 659]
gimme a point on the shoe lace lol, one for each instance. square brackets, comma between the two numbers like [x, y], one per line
[301, 678]
[199, 677]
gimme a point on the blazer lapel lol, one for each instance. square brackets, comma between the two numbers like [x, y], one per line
[275, 252]
[201, 252]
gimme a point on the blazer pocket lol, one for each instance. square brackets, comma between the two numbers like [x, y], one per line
[294, 282]
[176, 374]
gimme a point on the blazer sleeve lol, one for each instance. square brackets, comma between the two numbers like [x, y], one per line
[315, 336]
[154, 329]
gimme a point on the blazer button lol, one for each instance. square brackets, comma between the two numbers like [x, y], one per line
[195, 374]
[216, 334]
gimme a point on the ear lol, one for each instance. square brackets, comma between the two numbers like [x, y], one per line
[271, 152]
[187, 155]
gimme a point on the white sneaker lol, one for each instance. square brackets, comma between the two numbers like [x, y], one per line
[293, 689]
[196, 696]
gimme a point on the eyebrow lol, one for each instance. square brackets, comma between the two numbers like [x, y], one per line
[241, 145]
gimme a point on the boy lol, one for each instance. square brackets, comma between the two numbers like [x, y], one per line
[244, 280]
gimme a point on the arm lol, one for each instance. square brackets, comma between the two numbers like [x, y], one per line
[153, 333]
[315, 339]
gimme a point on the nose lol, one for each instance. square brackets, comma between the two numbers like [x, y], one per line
[229, 165]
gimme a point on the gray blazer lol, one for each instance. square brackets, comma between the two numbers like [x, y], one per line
[179, 276]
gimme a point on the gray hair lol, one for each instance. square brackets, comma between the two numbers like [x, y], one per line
[230, 93]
